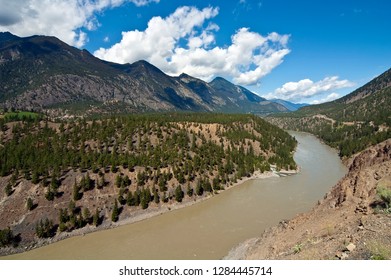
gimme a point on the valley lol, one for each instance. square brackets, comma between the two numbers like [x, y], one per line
[59, 178]
[87, 145]
[210, 228]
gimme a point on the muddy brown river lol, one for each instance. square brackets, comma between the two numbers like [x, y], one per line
[209, 229]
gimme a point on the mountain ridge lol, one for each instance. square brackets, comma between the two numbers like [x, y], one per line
[290, 105]
[42, 73]
[351, 123]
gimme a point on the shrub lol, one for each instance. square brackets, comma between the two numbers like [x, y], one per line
[6, 237]
[385, 194]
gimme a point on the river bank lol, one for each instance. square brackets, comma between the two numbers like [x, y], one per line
[209, 229]
[140, 214]
[347, 224]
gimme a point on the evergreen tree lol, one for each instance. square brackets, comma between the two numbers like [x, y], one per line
[50, 194]
[118, 181]
[199, 189]
[86, 215]
[76, 191]
[115, 213]
[62, 227]
[121, 198]
[35, 177]
[6, 237]
[156, 197]
[29, 204]
[129, 199]
[63, 216]
[178, 193]
[72, 207]
[126, 181]
[101, 181]
[143, 202]
[216, 184]
[137, 197]
[189, 190]
[95, 219]
[8, 189]
[44, 229]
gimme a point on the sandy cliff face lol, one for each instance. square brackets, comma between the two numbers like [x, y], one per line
[344, 225]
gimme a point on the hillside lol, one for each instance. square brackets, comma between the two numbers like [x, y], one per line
[94, 174]
[353, 219]
[351, 222]
[351, 123]
[41, 73]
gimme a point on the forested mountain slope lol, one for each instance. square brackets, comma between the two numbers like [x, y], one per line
[351, 123]
[57, 178]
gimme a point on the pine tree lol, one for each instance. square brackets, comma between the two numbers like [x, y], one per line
[29, 204]
[143, 202]
[121, 198]
[178, 194]
[199, 189]
[118, 181]
[35, 177]
[86, 215]
[6, 237]
[8, 189]
[126, 181]
[156, 197]
[189, 190]
[76, 191]
[130, 199]
[63, 215]
[137, 197]
[72, 207]
[50, 194]
[115, 213]
[95, 218]
[101, 181]
[216, 183]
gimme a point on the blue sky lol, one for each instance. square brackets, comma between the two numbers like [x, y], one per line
[302, 51]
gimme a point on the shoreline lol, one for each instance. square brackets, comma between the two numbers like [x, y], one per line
[139, 214]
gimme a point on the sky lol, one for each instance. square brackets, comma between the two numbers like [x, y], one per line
[304, 51]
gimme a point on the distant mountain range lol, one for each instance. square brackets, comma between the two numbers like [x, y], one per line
[290, 105]
[41, 73]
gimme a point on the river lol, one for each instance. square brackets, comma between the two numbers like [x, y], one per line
[209, 229]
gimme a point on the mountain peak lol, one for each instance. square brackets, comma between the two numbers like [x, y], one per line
[143, 64]
[184, 75]
[7, 36]
[44, 72]
[219, 79]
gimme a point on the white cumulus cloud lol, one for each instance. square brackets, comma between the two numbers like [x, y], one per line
[185, 42]
[330, 97]
[306, 89]
[64, 19]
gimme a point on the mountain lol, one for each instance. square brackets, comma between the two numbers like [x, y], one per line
[351, 123]
[241, 97]
[41, 73]
[289, 105]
